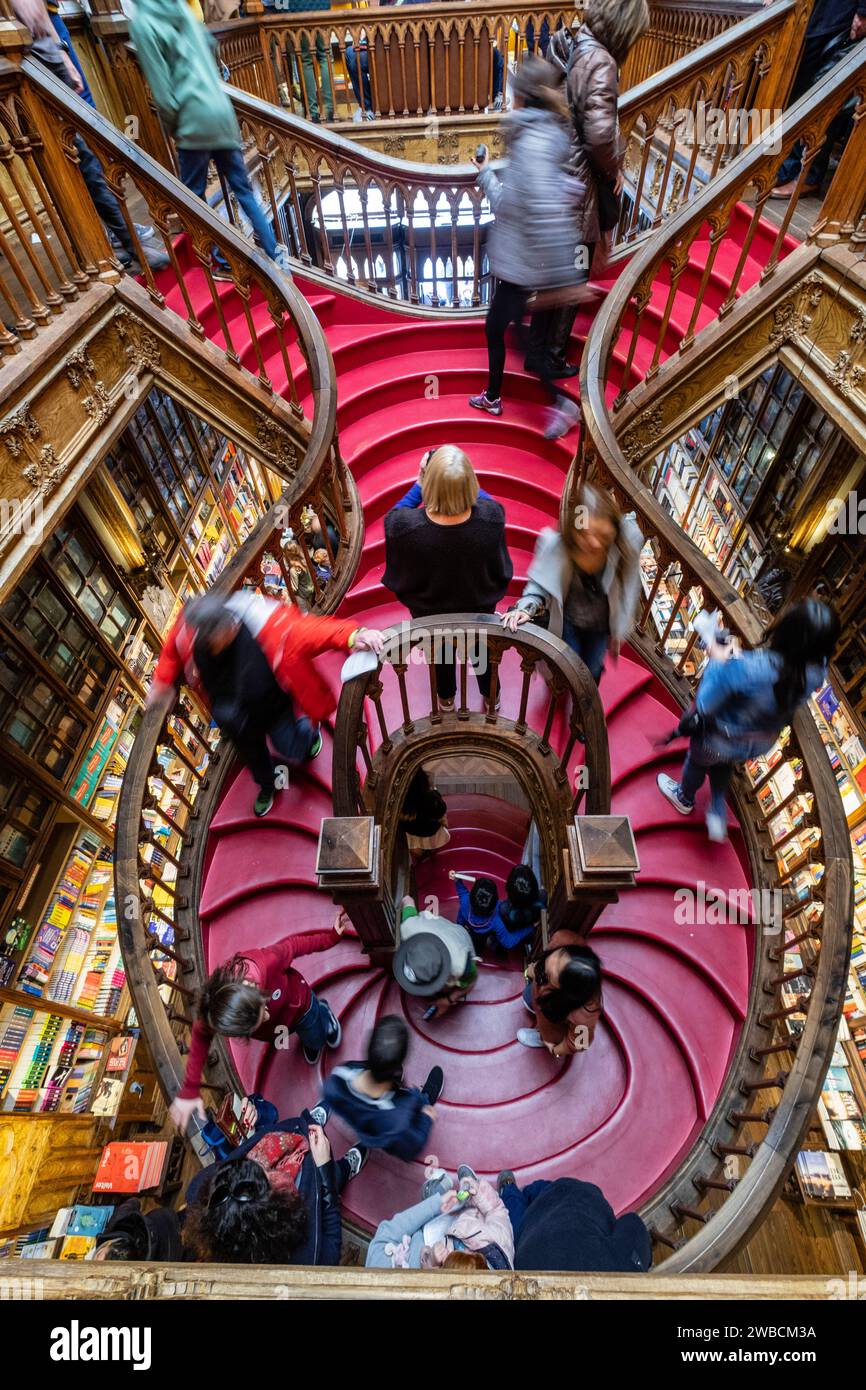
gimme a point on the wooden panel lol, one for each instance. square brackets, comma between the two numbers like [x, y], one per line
[44, 1159]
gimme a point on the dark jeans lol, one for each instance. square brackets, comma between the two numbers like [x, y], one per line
[194, 165]
[550, 329]
[700, 764]
[103, 199]
[591, 647]
[543, 37]
[506, 307]
[498, 73]
[446, 680]
[819, 56]
[518, 1200]
[358, 67]
[317, 1024]
[290, 736]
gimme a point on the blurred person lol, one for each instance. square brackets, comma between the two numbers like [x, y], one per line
[743, 703]
[570, 1225]
[563, 992]
[56, 55]
[259, 994]
[132, 1235]
[435, 959]
[532, 244]
[63, 34]
[371, 1098]
[588, 58]
[358, 68]
[584, 580]
[178, 58]
[469, 1220]
[251, 658]
[833, 29]
[274, 1200]
[449, 555]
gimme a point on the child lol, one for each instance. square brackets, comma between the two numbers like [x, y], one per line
[252, 996]
[322, 564]
[371, 1098]
[520, 910]
[423, 817]
[479, 905]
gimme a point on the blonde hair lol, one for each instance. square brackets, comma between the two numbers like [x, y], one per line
[450, 485]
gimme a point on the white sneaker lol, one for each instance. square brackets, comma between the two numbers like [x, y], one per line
[671, 791]
[717, 828]
[562, 418]
[319, 1115]
[281, 259]
[530, 1037]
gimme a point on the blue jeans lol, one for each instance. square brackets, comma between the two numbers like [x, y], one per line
[700, 764]
[591, 647]
[317, 1024]
[518, 1200]
[358, 67]
[194, 165]
[527, 996]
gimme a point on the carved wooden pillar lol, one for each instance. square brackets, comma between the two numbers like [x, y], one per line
[349, 866]
[599, 861]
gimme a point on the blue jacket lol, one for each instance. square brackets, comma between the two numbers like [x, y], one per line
[317, 1186]
[467, 918]
[393, 1123]
[571, 1225]
[738, 696]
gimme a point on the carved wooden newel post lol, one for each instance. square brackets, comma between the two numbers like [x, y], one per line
[598, 862]
[349, 866]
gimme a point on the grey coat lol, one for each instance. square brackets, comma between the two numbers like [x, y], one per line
[550, 573]
[533, 241]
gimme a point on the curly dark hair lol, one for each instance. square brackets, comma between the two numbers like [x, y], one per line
[238, 1218]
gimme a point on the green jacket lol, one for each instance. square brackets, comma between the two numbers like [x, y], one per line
[176, 54]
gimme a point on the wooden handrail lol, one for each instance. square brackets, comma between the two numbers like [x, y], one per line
[602, 456]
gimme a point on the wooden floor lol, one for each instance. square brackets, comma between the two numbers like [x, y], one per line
[805, 216]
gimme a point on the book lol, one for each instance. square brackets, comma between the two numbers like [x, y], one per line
[77, 1247]
[120, 1054]
[80, 1220]
[821, 1176]
[130, 1167]
[108, 1096]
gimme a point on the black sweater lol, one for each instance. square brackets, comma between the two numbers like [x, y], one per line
[447, 569]
[833, 17]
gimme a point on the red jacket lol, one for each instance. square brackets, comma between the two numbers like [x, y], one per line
[288, 638]
[271, 970]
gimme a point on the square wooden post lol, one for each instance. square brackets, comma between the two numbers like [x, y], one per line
[599, 861]
[349, 866]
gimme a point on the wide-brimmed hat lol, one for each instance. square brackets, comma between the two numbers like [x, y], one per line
[422, 965]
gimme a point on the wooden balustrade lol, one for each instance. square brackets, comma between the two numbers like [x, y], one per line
[805, 1027]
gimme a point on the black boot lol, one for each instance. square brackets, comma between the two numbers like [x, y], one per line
[536, 350]
[558, 336]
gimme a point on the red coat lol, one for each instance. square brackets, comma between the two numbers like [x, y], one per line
[289, 997]
[288, 638]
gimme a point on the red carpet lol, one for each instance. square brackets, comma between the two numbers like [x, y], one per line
[625, 1113]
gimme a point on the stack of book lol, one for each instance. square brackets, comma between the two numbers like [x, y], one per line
[134, 1166]
[821, 1176]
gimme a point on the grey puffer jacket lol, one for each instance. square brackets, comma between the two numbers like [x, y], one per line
[592, 83]
[533, 241]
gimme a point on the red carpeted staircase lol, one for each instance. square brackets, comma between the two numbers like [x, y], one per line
[625, 1113]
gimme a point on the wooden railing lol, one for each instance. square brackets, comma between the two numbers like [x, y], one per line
[432, 58]
[157, 811]
[416, 232]
[374, 762]
[704, 1212]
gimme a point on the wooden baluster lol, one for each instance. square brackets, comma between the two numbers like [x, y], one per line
[431, 203]
[400, 673]
[435, 712]
[639, 303]
[676, 272]
[347, 240]
[374, 693]
[527, 667]
[684, 1213]
[368, 241]
[414, 277]
[278, 319]
[389, 244]
[463, 710]
[491, 715]
[403, 74]
[718, 231]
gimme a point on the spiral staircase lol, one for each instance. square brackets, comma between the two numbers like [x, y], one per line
[695, 1095]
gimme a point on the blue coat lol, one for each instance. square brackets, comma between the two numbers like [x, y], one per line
[394, 1123]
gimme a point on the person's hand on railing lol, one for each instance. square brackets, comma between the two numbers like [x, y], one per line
[369, 639]
[181, 1111]
[341, 921]
[515, 618]
[74, 74]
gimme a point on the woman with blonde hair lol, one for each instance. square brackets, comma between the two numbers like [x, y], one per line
[584, 580]
[445, 551]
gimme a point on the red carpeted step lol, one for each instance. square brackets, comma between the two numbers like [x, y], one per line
[624, 1113]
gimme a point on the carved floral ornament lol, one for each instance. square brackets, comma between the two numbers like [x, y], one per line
[21, 434]
[81, 370]
[641, 437]
[140, 346]
[789, 319]
[277, 446]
